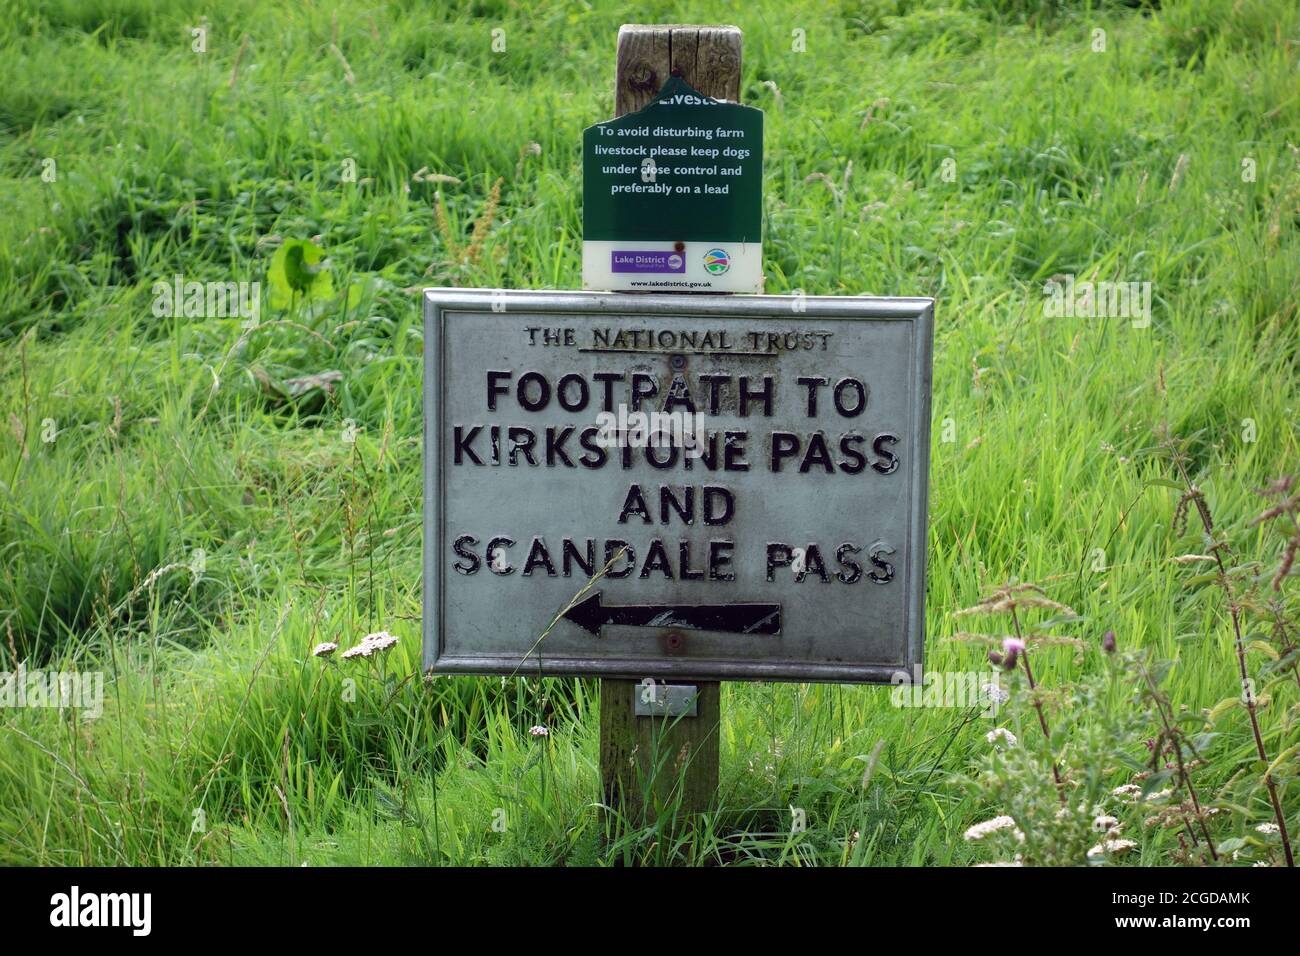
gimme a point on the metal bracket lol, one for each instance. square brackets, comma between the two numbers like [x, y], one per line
[654, 699]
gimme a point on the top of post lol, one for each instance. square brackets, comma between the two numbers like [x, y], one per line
[708, 58]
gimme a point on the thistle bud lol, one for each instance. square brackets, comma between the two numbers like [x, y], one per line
[1012, 648]
[1108, 642]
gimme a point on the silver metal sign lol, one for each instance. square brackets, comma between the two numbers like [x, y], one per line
[728, 488]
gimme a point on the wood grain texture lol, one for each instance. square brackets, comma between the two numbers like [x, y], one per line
[708, 58]
[670, 762]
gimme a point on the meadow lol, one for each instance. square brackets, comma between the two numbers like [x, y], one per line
[189, 504]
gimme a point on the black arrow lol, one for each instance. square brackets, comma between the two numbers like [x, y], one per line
[591, 615]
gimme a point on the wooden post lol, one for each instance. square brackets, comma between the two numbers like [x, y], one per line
[708, 58]
[648, 757]
[640, 755]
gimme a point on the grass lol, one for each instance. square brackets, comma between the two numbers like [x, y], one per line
[167, 519]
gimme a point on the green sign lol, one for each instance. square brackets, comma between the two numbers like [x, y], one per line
[673, 196]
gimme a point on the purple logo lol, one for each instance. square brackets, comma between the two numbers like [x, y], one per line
[637, 261]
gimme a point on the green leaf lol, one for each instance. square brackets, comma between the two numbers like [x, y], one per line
[1282, 758]
[355, 292]
[1155, 782]
[299, 273]
[1223, 707]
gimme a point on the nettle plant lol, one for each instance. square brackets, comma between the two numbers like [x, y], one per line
[1265, 623]
[1250, 590]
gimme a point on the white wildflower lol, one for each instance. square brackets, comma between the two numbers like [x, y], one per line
[1114, 847]
[995, 693]
[1267, 828]
[325, 649]
[980, 830]
[370, 645]
[380, 640]
[1003, 735]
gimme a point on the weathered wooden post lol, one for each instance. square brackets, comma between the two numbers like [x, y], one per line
[651, 755]
[708, 58]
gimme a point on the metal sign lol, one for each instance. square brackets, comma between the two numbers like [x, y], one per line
[672, 196]
[671, 486]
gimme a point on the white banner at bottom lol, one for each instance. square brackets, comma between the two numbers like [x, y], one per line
[632, 266]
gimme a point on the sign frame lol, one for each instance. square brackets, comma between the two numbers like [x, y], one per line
[438, 302]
